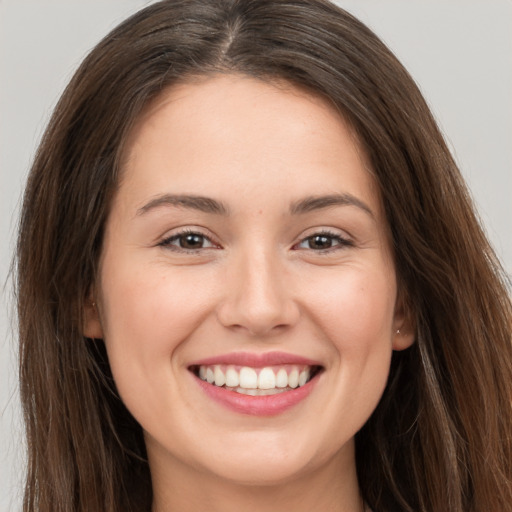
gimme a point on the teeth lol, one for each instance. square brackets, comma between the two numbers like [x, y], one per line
[232, 379]
[266, 379]
[255, 382]
[220, 378]
[259, 392]
[281, 378]
[293, 378]
[248, 378]
[303, 378]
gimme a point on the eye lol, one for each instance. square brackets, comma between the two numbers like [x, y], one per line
[323, 241]
[188, 241]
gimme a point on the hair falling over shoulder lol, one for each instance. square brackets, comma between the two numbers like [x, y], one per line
[441, 438]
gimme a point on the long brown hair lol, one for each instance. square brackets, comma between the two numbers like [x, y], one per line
[441, 438]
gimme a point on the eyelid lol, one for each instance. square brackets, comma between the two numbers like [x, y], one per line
[344, 240]
[176, 233]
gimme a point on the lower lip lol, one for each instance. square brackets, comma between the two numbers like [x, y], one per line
[267, 405]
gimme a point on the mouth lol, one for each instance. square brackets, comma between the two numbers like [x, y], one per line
[257, 384]
[247, 380]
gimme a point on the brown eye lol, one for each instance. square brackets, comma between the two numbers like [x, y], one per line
[191, 241]
[187, 241]
[324, 242]
[320, 242]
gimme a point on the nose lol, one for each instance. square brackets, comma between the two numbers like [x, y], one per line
[257, 297]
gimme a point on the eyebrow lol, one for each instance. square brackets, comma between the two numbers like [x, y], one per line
[209, 205]
[200, 203]
[313, 203]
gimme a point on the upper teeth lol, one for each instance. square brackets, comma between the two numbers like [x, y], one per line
[245, 377]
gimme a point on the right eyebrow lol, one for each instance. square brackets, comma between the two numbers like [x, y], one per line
[313, 203]
[200, 203]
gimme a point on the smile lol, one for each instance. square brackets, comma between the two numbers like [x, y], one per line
[257, 384]
[269, 380]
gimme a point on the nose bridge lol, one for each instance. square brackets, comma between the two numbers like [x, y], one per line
[258, 298]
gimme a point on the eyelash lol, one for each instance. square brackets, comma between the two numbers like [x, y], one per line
[167, 242]
[333, 237]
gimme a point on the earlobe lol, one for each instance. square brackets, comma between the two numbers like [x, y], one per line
[403, 338]
[92, 325]
[404, 325]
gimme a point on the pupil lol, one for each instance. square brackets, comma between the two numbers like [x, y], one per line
[191, 241]
[320, 242]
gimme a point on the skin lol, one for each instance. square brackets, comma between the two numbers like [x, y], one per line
[255, 284]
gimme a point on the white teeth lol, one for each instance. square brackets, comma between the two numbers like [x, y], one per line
[303, 377]
[220, 378]
[266, 379]
[281, 378]
[232, 379]
[248, 378]
[293, 378]
[259, 392]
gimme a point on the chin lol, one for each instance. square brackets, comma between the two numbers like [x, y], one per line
[262, 472]
[273, 461]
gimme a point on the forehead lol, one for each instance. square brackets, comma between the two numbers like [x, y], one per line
[246, 133]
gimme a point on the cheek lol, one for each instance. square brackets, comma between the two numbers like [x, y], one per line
[357, 318]
[147, 314]
[356, 308]
[151, 301]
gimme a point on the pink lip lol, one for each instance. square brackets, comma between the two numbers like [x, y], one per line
[256, 360]
[269, 405]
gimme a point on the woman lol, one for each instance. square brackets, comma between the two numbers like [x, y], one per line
[259, 283]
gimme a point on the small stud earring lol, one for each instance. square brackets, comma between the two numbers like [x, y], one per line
[398, 331]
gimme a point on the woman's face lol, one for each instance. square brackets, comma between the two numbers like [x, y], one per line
[247, 243]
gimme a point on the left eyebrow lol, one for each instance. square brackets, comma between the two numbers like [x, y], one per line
[313, 203]
[200, 203]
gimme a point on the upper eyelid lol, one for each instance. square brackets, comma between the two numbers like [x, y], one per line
[186, 231]
[331, 232]
[345, 241]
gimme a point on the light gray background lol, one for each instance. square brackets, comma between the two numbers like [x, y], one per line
[460, 52]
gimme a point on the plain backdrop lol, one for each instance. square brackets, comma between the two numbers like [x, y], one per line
[460, 53]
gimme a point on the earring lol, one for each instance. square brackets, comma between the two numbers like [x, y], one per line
[398, 331]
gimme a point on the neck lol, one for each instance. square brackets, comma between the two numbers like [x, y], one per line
[332, 488]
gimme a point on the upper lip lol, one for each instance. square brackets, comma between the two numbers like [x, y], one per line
[256, 360]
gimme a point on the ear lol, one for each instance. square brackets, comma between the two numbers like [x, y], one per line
[403, 338]
[404, 326]
[92, 325]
